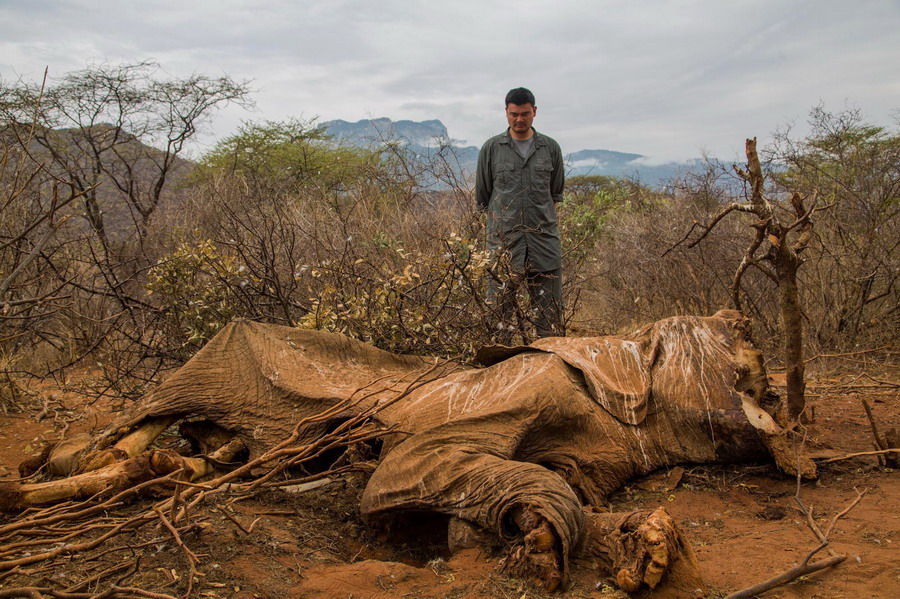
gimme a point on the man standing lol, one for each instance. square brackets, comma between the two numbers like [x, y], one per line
[519, 180]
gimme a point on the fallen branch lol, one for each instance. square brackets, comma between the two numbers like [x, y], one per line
[801, 569]
[111, 593]
[845, 511]
[889, 441]
[234, 520]
[858, 454]
[103, 574]
[878, 440]
[134, 522]
[886, 349]
[880, 382]
[192, 558]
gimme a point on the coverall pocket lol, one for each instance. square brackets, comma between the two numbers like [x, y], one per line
[542, 172]
[505, 177]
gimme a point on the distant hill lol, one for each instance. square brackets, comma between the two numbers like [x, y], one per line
[365, 132]
[621, 164]
[424, 137]
[134, 164]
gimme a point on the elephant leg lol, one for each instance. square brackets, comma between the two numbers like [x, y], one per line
[526, 505]
[537, 558]
[129, 446]
[107, 480]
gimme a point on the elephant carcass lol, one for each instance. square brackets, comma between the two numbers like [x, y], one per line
[518, 448]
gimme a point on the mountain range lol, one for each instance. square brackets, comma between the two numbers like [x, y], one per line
[424, 138]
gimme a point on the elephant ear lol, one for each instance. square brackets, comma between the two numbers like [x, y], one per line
[616, 371]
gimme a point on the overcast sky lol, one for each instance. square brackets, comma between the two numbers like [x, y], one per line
[665, 78]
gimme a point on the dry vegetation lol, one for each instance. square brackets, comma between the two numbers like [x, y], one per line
[117, 254]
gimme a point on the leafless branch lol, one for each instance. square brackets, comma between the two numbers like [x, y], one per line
[802, 569]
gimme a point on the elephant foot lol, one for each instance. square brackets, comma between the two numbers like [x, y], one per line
[642, 550]
[645, 553]
[537, 557]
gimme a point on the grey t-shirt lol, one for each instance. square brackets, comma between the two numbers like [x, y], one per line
[523, 145]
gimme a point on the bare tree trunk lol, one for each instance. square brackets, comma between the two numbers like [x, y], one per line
[783, 258]
[787, 264]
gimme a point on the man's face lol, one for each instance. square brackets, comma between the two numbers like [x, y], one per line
[520, 117]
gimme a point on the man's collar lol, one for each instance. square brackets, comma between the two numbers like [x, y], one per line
[538, 140]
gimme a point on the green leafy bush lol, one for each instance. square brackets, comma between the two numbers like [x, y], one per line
[193, 287]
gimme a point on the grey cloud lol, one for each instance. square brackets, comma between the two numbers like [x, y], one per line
[658, 78]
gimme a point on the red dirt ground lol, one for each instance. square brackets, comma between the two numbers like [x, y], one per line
[742, 520]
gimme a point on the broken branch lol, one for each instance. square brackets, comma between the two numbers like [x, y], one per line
[192, 558]
[860, 453]
[801, 569]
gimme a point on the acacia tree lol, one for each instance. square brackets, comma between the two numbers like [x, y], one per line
[852, 274]
[116, 131]
[85, 163]
[35, 218]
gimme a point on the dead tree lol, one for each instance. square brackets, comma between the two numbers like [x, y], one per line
[781, 236]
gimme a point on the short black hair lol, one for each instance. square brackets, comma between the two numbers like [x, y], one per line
[519, 96]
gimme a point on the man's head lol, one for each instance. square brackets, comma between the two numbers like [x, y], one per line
[520, 111]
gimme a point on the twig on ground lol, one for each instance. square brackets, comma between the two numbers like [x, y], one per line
[801, 569]
[845, 511]
[234, 520]
[45, 409]
[858, 454]
[811, 523]
[878, 440]
[883, 383]
[26, 560]
[192, 558]
[883, 349]
[889, 441]
[123, 548]
[102, 574]
[110, 593]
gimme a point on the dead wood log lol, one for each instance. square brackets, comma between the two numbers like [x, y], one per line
[130, 446]
[114, 477]
[72, 456]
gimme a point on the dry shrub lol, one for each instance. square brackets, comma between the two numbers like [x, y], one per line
[401, 268]
[389, 249]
